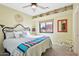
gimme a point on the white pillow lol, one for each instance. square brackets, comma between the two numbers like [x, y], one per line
[18, 34]
[9, 35]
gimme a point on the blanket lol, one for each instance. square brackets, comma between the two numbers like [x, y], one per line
[23, 47]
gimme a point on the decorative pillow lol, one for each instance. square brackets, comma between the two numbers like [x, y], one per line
[9, 35]
[26, 32]
[18, 34]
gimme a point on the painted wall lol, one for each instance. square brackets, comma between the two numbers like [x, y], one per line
[58, 38]
[7, 17]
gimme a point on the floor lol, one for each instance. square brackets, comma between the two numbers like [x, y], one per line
[55, 51]
[58, 52]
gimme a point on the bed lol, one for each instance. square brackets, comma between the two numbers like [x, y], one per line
[25, 44]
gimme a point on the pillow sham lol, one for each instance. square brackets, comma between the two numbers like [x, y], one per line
[9, 35]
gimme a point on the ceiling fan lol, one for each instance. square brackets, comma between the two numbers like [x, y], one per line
[34, 6]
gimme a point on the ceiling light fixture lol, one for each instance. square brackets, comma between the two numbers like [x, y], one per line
[34, 5]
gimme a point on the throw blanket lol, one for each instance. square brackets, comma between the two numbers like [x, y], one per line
[23, 47]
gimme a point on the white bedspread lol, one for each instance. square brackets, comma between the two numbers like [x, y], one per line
[36, 50]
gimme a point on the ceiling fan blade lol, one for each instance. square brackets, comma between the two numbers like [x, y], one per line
[42, 7]
[26, 6]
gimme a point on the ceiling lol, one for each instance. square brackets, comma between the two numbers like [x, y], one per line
[29, 11]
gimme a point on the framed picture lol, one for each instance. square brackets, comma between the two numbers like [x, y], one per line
[62, 25]
[18, 18]
[46, 27]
